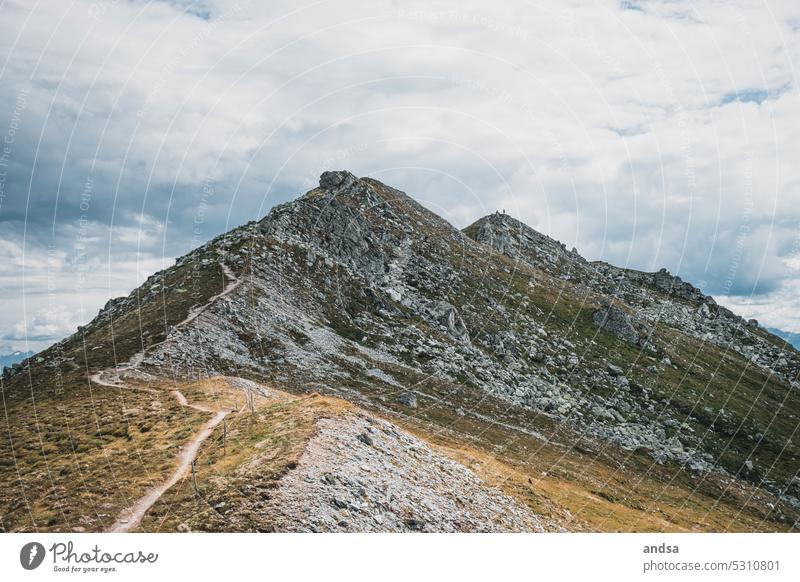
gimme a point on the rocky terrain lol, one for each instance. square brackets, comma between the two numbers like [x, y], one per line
[364, 475]
[356, 291]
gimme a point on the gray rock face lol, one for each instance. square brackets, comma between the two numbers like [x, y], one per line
[446, 316]
[408, 399]
[668, 283]
[623, 325]
[336, 180]
[517, 240]
[651, 296]
[364, 475]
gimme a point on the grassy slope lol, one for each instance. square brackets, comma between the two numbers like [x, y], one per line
[235, 479]
[73, 453]
[76, 459]
[582, 484]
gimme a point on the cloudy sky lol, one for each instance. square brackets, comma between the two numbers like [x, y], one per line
[646, 133]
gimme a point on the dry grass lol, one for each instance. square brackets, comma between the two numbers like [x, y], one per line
[613, 491]
[77, 463]
[235, 478]
[72, 463]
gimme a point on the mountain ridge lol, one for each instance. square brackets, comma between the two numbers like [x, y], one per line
[357, 291]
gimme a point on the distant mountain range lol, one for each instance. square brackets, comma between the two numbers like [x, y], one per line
[792, 338]
[6, 360]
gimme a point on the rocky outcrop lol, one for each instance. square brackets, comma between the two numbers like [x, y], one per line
[447, 318]
[517, 240]
[333, 181]
[624, 325]
[674, 285]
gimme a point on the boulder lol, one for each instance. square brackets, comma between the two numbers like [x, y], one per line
[615, 370]
[445, 315]
[614, 320]
[336, 180]
[408, 399]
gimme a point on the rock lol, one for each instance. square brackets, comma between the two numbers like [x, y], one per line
[705, 311]
[621, 324]
[614, 370]
[336, 180]
[404, 485]
[446, 316]
[535, 355]
[408, 399]
[367, 439]
[674, 285]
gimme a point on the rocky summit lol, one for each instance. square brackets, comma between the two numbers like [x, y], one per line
[564, 393]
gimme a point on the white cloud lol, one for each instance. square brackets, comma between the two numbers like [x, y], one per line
[659, 135]
[44, 325]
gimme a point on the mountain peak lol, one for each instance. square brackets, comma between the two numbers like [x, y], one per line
[517, 240]
[335, 180]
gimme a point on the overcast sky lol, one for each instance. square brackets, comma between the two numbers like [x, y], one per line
[649, 133]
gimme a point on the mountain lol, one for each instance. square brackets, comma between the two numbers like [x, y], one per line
[8, 360]
[351, 340]
[792, 338]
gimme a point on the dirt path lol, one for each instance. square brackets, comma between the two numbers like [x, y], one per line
[138, 357]
[233, 283]
[132, 517]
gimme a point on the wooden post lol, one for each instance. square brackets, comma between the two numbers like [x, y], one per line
[194, 478]
[224, 436]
